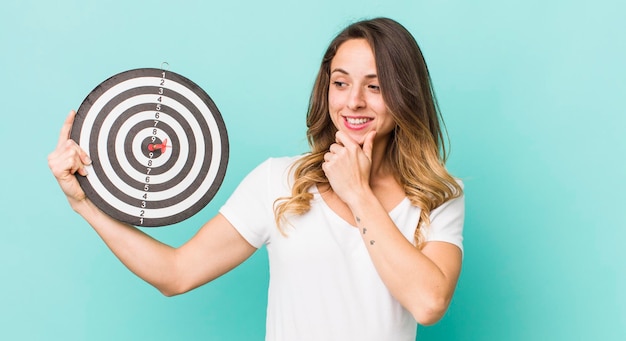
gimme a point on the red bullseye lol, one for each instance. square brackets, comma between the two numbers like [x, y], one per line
[154, 146]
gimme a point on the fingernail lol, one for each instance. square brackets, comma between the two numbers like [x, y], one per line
[88, 160]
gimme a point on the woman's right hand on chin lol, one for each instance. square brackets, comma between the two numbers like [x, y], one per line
[66, 160]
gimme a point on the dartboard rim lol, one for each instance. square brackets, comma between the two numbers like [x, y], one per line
[216, 116]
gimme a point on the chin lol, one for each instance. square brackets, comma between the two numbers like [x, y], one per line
[358, 138]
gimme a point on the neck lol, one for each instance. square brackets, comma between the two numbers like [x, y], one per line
[379, 166]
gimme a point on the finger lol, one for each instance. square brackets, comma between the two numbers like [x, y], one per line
[327, 157]
[324, 168]
[368, 144]
[84, 158]
[341, 138]
[81, 158]
[67, 159]
[67, 127]
[82, 171]
[335, 148]
[76, 166]
[344, 140]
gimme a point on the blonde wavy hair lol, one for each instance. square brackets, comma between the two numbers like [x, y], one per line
[416, 152]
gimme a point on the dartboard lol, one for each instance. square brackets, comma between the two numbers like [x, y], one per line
[158, 145]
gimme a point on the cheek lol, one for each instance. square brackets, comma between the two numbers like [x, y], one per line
[338, 98]
[379, 105]
[385, 118]
[333, 101]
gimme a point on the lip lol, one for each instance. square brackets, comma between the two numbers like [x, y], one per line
[349, 122]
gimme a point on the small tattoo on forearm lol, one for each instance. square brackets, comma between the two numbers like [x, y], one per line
[364, 230]
[358, 220]
[372, 242]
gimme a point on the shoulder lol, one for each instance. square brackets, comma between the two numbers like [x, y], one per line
[447, 220]
[454, 207]
[275, 171]
[278, 165]
[282, 163]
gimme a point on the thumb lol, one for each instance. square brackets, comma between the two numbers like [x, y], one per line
[368, 144]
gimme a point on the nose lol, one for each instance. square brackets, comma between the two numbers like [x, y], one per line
[356, 100]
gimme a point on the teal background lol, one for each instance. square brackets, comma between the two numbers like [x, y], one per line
[532, 93]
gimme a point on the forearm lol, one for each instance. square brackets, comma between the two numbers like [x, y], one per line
[148, 258]
[415, 280]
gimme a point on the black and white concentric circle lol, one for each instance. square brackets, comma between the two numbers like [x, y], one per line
[158, 143]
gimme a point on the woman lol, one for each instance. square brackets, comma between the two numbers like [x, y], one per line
[364, 233]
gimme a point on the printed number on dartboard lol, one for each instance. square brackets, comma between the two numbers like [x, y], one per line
[153, 139]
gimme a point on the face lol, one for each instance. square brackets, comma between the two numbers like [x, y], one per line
[354, 97]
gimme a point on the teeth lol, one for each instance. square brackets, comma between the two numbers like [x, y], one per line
[356, 120]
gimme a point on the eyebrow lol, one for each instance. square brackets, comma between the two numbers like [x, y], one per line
[340, 70]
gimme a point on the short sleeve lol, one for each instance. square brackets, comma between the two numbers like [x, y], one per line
[247, 208]
[250, 209]
[446, 222]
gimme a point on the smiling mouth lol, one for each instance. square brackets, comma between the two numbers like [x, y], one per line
[357, 120]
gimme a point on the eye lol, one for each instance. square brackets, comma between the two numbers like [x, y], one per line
[374, 87]
[340, 84]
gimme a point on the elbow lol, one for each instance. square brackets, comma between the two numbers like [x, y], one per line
[172, 289]
[172, 281]
[431, 311]
[176, 287]
[168, 292]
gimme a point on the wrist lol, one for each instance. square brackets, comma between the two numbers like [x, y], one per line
[81, 206]
[360, 199]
